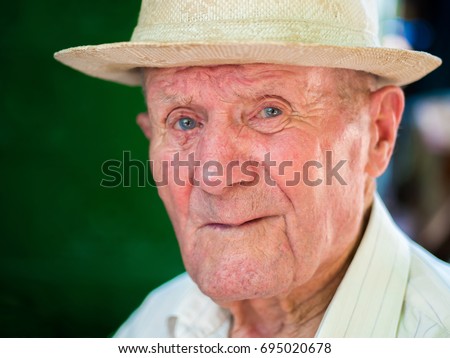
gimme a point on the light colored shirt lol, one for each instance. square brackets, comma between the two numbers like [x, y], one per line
[392, 288]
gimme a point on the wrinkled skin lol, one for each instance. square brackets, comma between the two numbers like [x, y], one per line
[271, 252]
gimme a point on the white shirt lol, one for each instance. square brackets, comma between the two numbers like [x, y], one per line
[393, 288]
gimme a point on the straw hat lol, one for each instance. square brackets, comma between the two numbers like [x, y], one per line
[325, 33]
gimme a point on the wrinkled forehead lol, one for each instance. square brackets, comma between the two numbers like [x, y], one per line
[249, 80]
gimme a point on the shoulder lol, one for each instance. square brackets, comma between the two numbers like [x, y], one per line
[426, 310]
[156, 309]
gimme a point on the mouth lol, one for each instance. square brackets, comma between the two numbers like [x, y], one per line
[225, 226]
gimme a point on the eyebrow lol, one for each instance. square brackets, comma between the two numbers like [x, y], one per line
[170, 99]
[175, 98]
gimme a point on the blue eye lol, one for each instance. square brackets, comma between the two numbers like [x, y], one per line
[187, 123]
[270, 112]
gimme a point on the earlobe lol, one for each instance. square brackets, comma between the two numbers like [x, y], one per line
[143, 121]
[386, 109]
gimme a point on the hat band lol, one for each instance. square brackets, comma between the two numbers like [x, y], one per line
[255, 31]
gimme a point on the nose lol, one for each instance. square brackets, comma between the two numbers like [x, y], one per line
[225, 158]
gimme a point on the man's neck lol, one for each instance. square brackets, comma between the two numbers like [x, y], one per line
[296, 315]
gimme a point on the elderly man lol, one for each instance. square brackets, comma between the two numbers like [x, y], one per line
[268, 125]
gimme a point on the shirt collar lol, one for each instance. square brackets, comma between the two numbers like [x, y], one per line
[198, 316]
[369, 299]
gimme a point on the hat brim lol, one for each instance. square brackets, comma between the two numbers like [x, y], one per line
[120, 62]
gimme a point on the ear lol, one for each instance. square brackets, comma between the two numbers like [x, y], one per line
[143, 120]
[386, 109]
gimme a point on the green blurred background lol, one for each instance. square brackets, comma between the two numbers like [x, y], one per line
[76, 258]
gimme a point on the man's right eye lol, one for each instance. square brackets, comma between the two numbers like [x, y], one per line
[186, 124]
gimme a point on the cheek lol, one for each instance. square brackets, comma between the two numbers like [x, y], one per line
[344, 189]
[298, 164]
[173, 185]
[300, 175]
[352, 147]
[324, 182]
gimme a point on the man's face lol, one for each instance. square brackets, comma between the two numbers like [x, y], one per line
[274, 216]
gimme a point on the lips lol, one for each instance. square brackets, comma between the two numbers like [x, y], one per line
[225, 226]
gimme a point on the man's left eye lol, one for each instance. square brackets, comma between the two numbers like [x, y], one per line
[270, 112]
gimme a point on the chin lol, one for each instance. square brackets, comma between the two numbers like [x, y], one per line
[228, 285]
